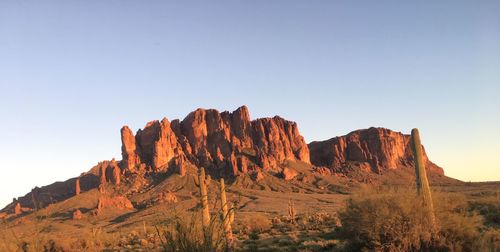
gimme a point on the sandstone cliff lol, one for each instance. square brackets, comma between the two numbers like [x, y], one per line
[378, 148]
[225, 143]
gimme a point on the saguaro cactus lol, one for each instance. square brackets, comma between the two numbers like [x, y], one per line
[423, 188]
[202, 183]
[226, 215]
[291, 210]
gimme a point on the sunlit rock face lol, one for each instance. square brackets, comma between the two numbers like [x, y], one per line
[228, 143]
[380, 148]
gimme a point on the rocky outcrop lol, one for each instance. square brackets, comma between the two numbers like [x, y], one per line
[102, 176]
[77, 215]
[107, 171]
[40, 197]
[18, 209]
[224, 143]
[167, 197]
[375, 149]
[158, 144]
[289, 174]
[115, 172]
[257, 176]
[279, 140]
[77, 186]
[117, 202]
[130, 157]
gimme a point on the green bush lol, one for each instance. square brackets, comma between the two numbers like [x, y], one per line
[394, 220]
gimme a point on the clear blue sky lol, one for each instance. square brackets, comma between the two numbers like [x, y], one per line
[73, 72]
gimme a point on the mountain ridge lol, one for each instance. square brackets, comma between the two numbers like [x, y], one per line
[229, 145]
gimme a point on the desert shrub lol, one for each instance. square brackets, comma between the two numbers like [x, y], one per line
[257, 223]
[489, 207]
[394, 220]
[187, 234]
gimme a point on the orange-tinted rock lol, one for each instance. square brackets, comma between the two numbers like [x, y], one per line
[166, 146]
[180, 163]
[102, 188]
[279, 140]
[18, 209]
[115, 172]
[366, 167]
[129, 149]
[158, 144]
[376, 148]
[219, 141]
[102, 174]
[242, 128]
[77, 186]
[233, 162]
[243, 164]
[258, 176]
[77, 215]
[323, 171]
[289, 174]
[167, 197]
[118, 202]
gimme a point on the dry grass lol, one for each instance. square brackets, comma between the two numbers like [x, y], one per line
[261, 221]
[394, 220]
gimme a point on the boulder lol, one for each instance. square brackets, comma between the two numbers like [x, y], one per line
[117, 202]
[77, 215]
[167, 197]
[288, 173]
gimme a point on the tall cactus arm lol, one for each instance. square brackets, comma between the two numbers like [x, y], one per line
[423, 188]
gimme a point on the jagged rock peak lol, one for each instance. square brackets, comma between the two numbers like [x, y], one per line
[129, 150]
[224, 143]
[380, 148]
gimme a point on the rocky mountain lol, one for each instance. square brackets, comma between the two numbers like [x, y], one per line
[374, 149]
[227, 144]
[231, 145]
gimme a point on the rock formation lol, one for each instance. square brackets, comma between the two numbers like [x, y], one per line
[18, 209]
[77, 215]
[289, 174]
[375, 149]
[102, 176]
[117, 202]
[77, 186]
[115, 172]
[130, 157]
[108, 171]
[223, 142]
[167, 197]
[257, 176]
